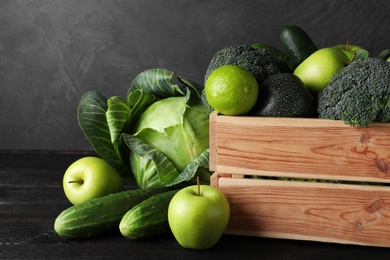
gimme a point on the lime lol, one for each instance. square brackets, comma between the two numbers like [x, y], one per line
[231, 90]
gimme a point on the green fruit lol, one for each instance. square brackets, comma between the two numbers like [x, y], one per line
[89, 178]
[284, 95]
[231, 90]
[318, 69]
[198, 220]
[349, 50]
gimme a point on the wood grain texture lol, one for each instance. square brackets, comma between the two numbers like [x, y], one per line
[325, 212]
[244, 147]
[300, 148]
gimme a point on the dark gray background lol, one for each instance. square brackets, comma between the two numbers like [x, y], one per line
[53, 51]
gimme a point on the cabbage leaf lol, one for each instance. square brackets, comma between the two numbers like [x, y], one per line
[109, 125]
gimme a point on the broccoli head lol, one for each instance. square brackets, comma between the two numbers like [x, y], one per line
[260, 62]
[358, 94]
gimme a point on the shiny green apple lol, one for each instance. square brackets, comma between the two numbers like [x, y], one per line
[198, 218]
[348, 49]
[317, 70]
[90, 177]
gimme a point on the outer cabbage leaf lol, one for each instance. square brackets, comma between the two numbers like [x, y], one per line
[199, 166]
[197, 88]
[96, 119]
[157, 82]
[118, 118]
[150, 162]
[138, 102]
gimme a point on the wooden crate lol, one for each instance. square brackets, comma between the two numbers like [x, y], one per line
[252, 156]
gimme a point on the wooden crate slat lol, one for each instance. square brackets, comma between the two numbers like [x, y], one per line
[350, 214]
[302, 148]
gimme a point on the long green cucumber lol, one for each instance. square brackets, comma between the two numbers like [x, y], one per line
[100, 215]
[297, 44]
[147, 219]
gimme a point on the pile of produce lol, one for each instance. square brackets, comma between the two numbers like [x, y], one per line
[341, 82]
[157, 136]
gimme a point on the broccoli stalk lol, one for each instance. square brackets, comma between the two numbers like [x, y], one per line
[358, 94]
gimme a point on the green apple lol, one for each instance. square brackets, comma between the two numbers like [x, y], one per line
[90, 177]
[351, 50]
[198, 216]
[317, 70]
[348, 48]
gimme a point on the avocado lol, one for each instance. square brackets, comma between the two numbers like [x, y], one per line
[284, 95]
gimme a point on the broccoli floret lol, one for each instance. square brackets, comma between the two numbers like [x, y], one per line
[358, 94]
[204, 101]
[260, 62]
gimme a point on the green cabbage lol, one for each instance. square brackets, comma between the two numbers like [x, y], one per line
[179, 131]
[158, 136]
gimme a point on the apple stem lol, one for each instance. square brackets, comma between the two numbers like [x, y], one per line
[80, 182]
[198, 183]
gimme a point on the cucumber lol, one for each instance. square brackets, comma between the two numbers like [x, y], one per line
[100, 215]
[297, 44]
[149, 218]
[282, 59]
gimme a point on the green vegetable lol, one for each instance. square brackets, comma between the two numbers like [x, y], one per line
[359, 93]
[169, 143]
[149, 218]
[260, 62]
[284, 95]
[113, 127]
[282, 59]
[100, 215]
[102, 121]
[297, 44]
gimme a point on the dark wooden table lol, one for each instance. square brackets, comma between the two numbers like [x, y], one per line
[31, 197]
